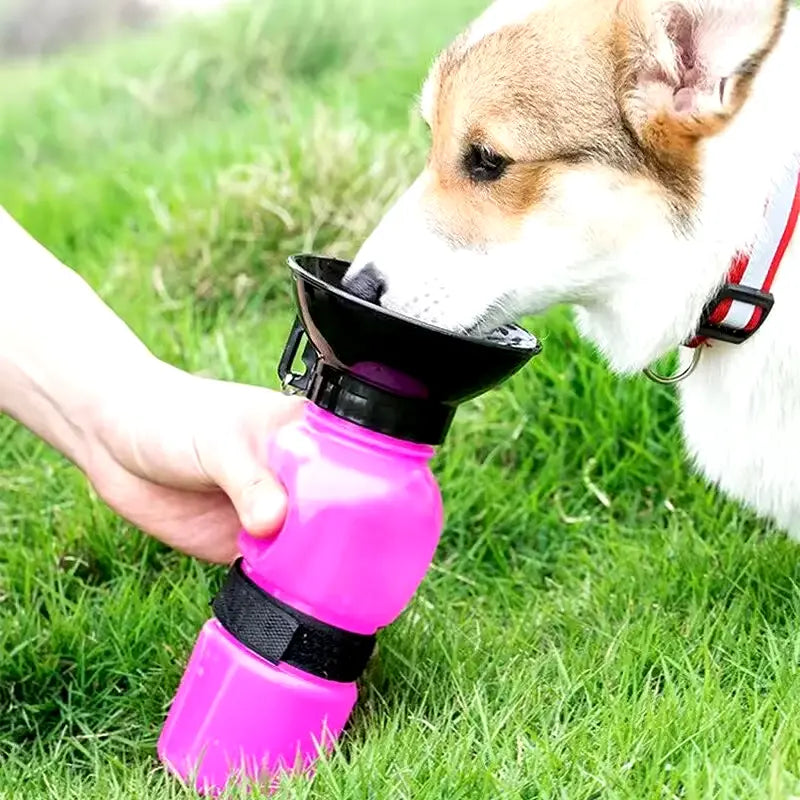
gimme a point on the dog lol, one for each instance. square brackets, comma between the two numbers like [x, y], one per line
[629, 158]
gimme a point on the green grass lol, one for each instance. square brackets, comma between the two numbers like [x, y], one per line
[598, 622]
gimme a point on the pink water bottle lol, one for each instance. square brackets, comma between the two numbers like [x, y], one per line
[272, 678]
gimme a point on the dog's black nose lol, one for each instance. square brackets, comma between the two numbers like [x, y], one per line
[368, 284]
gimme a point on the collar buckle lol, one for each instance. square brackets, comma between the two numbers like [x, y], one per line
[733, 292]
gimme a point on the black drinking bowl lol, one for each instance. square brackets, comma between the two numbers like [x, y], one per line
[357, 345]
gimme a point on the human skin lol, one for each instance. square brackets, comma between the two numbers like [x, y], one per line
[178, 455]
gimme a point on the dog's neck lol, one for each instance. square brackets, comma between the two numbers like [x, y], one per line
[640, 319]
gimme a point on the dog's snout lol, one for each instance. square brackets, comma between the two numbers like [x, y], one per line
[368, 284]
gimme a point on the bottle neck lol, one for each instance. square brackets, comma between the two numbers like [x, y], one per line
[418, 420]
[329, 424]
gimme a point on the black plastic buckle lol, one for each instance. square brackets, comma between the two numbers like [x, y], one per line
[743, 294]
[293, 381]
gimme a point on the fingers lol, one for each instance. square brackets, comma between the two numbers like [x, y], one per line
[239, 468]
[201, 524]
[258, 497]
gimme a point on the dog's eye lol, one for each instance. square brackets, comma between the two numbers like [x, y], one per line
[483, 164]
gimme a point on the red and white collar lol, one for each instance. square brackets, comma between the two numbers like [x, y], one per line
[740, 307]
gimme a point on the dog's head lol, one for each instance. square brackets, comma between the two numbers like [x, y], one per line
[568, 147]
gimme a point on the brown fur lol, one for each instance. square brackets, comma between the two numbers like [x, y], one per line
[540, 95]
[553, 91]
[670, 145]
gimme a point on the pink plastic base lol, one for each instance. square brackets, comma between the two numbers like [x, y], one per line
[362, 526]
[222, 723]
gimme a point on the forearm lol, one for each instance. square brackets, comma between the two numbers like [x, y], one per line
[64, 355]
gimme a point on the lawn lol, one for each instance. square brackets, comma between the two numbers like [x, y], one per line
[598, 622]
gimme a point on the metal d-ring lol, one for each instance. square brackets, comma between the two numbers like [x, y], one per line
[672, 380]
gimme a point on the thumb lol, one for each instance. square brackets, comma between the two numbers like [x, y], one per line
[257, 495]
[238, 466]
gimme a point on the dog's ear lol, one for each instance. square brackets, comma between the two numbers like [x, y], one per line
[685, 67]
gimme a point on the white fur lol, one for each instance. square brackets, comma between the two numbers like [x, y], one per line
[501, 14]
[637, 286]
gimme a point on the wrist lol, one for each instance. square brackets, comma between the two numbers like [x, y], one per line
[147, 423]
[71, 405]
[64, 355]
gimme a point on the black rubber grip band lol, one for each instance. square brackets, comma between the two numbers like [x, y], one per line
[279, 633]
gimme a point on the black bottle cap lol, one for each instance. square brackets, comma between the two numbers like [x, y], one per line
[387, 372]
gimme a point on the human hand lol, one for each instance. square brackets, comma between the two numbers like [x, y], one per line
[178, 455]
[182, 458]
